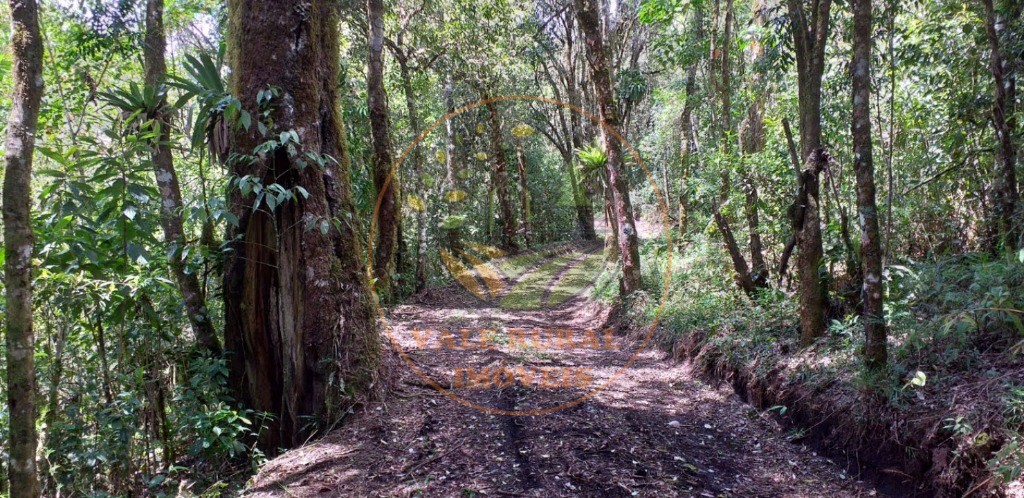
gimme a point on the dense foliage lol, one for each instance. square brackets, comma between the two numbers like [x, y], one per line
[129, 403]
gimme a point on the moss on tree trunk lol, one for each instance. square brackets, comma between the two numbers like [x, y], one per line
[300, 326]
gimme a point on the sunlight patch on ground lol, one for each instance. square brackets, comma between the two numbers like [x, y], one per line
[491, 276]
[463, 274]
[576, 279]
[530, 291]
[490, 251]
[513, 267]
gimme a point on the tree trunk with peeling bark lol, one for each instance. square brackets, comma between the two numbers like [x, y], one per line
[300, 324]
[27, 55]
[171, 205]
[622, 209]
[870, 244]
[384, 180]
[805, 214]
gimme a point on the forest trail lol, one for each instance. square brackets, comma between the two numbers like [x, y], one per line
[656, 430]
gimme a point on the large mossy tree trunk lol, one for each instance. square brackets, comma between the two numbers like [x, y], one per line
[870, 243]
[301, 330]
[166, 175]
[27, 55]
[385, 183]
[810, 29]
[622, 209]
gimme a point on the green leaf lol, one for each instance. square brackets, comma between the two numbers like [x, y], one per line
[522, 131]
[136, 253]
[415, 202]
[919, 379]
[453, 222]
[58, 158]
[130, 212]
[230, 218]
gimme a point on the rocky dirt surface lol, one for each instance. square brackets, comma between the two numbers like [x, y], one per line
[540, 403]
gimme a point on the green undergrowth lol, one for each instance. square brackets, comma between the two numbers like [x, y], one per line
[955, 341]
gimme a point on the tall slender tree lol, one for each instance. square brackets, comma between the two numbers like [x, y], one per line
[452, 233]
[1004, 122]
[524, 193]
[810, 28]
[27, 54]
[386, 183]
[564, 125]
[500, 179]
[751, 135]
[687, 126]
[864, 168]
[300, 327]
[622, 209]
[687, 148]
[721, 75]
[166, 175]
[409, 63]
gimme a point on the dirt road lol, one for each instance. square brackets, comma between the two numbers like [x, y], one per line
[655, 430]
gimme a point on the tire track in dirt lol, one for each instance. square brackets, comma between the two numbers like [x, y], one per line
[557, 278]
[513, 425]
[511, 283]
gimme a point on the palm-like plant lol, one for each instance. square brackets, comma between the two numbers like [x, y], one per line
[138, 105]
[215, 106]
[592, 160]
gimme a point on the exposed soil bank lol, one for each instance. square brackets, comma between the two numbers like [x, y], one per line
[909, 452]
